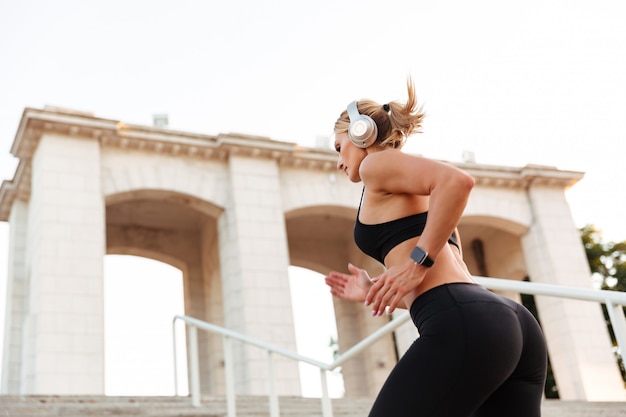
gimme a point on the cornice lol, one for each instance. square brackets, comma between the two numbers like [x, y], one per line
[521, 177]
[116, 134]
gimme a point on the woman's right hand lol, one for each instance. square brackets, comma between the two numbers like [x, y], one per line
[352, 287]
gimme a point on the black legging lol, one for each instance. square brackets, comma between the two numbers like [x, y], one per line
[479, 354]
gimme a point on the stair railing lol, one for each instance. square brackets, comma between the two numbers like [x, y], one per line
[614, 301]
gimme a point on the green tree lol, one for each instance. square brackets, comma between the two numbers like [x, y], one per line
[607, 260]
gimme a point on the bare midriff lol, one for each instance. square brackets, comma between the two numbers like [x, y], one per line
[449, 267]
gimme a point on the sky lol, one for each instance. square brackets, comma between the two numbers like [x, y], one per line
[515, 83]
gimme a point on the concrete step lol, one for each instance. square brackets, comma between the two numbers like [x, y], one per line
[555, 408]
[247, 406]
[102, 406]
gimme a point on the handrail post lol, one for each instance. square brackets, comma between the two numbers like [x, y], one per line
[273, 398]
[175, 357]
[229, 375]
[327, 407]
[194, 364]
[616, 315]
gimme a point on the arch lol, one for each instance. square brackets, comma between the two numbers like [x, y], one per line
[497, 222]
[313, 190]
[166, 196]
[156, 224]
[492, 247]
[180, 230]
[125, 173]
[319, 237]
[507, 207]
[500, 241]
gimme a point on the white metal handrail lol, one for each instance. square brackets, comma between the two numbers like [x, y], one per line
[615, 301]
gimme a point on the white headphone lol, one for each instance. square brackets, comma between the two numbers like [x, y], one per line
[362, 130]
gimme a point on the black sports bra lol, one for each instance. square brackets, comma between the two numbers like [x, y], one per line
[376, 240]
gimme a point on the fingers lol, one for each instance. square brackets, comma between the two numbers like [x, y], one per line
[385, 301]
[375, 293]
[381, 301]
[389, 302]
[342, 286]
[394, 303]
[336, 278]
[384, 296]
[352, 286]
[336, 282]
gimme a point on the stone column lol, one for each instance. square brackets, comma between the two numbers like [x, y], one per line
[214, 313]
[255, 281]
[203, 300]
[578, 341]
[63, 347]
[15, 310]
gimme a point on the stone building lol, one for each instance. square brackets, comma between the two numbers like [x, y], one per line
[233, 212]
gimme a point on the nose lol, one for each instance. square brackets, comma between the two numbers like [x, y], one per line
[339, 164]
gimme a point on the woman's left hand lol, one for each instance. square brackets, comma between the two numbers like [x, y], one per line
[391, 286]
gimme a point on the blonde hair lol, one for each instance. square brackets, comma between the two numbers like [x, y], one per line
[395, 125]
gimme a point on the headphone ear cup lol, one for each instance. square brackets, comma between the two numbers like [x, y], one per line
[362, 130]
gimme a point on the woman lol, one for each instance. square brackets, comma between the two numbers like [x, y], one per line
[478, 354]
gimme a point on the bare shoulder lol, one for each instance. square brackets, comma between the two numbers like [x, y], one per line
[394, 162]
[378, 162]
[397, 172]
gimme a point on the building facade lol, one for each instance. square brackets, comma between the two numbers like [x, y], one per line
[233, 212]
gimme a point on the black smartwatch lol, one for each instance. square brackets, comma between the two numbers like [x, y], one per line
[420, 256]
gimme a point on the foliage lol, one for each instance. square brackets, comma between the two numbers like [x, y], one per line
[333, 344]
[607, 260]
